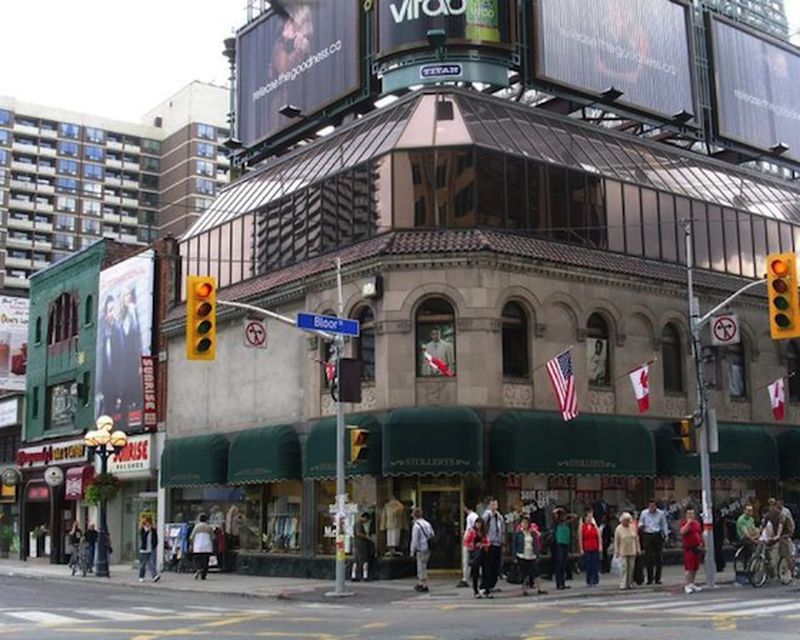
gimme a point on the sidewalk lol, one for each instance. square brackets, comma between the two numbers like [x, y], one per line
[304, 590]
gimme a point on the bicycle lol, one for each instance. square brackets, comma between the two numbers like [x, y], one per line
[742, 558]
[761, 567]
[78, 560]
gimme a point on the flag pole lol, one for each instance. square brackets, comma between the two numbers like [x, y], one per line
[764, 386]
[644, 364]
[560, 353]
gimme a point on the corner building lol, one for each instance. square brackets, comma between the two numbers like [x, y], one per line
[496, 237]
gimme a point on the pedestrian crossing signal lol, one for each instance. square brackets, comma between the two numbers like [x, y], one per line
[201, 318]
[686, 437]
[358, 445]
[784, 306]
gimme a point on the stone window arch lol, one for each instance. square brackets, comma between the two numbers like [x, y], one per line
[516, 361]
[598, 351]
[435, 323]
[672, 359]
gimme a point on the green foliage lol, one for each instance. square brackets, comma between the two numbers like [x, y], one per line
[104, 486]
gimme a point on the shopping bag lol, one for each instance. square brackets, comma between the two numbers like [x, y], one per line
[616, 566]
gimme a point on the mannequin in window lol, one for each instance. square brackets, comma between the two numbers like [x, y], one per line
[393, 521]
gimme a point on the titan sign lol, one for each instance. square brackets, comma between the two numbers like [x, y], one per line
[757, 89]
[308, 56]
[404, 24]
[639, 47]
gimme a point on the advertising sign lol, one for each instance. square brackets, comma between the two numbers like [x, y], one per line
[404, 24]
[638, 47]
[13, 342]
[61, 453]
[138, 456]
[756, 89]
[307, 55]
[149, 397]
[124, 330]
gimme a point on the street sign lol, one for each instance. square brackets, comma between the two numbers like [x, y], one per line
[331, 324]
[450, 71]
[725, 330]
[255, 333]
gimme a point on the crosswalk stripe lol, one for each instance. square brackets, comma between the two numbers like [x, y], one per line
[42, 617]
[155, 610]
[675, 604]
[781, 608]
[735, 604]
[121, 616]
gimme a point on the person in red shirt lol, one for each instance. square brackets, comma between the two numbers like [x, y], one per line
[477, 543]
[692, 534]
[589, 546]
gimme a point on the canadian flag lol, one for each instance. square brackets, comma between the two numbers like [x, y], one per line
[330, 370]
[436, 364]
[777, 398]
[640, 379]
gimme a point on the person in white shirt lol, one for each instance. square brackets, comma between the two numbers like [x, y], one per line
[469, 522]
[421, 535]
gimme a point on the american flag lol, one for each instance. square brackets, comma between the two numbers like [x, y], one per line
[560, 371]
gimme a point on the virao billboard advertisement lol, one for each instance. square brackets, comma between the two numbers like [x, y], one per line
[304, 54]
[757, 89]
[124, 334]
[404, 24]
[639, 47]
[13, 342]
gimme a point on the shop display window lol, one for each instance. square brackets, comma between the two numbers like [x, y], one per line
[360, 491]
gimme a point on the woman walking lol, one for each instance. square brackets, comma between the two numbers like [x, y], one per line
[589, 546]
[74, 538]
[202, 546]
[692, 549]
[477, 544]
[626, 549]
[562, 534]
[526, 547]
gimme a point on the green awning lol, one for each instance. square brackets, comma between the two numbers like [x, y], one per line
[745, 451]
[321, 448]
[538, 442]
[433, 441]
[269, 454]
[197, 461]
[789, 454]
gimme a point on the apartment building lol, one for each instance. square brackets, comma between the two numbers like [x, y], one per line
[68, 179]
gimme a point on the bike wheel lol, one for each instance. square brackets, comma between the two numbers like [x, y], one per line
[786, 570]
[739, 565]
[758, 572]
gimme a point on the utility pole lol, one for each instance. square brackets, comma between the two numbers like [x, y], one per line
[341, 495]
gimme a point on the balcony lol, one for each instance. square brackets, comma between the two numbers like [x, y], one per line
[130, 184]
[19, 223]
[129, 220]
[112, 218]
[132, 148]
[18, 243]
[43, 226]
[25, 129]
[48, 133]
[47, 151]
[18, 263]
[131, 166]
[111, 144]
[47, 171]
[23, 185]
[110, 198]
[40, 264]
[42, 245]
[130, 202]
[127, 237]
[45, 188]
[113, 182]
[23, 166]
[16, 283]
[113, 164]
[223, 160]
[44, 207]
[22, 205]
[31, 149]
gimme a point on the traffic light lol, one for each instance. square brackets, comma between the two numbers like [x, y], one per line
[201, 318]
[687, 441]
[359, 439]
[784, 307]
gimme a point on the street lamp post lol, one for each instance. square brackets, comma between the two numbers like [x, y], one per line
[103, 442]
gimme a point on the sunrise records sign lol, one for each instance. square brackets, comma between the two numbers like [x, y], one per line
[638, 47]
[757, 89]
[305, 55]
[404, 24]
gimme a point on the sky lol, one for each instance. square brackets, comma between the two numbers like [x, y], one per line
[112, 58]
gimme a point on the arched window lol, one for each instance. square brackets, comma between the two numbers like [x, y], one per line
[62, 322]
[737, 372]
[597, 351]
[436, 338]
[793, 374]
[365, 345]
[515, 341]
[672, 359]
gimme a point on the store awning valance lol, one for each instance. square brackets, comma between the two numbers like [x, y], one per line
[745, 451]
[539, 442]
[789, 454]
[321, 448]
[196, 461]
[269, 454]
[432, 441]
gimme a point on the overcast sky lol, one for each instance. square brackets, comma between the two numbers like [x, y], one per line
[119, 59]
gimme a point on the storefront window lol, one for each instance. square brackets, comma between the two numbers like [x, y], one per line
[597, 348]
[362, 492]
[436, 339]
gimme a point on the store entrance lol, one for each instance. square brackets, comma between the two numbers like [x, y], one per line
[442, 508]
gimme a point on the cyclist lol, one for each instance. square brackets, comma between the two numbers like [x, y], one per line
[747, 533]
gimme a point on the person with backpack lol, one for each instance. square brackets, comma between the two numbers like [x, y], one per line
[526, 548]
[422, 539]
[477, 545]
[496, 532]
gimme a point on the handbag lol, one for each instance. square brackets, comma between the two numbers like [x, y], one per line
[616, 566]
[699, 550]
[474, 557]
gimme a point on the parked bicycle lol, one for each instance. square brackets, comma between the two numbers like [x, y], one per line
[761, 566]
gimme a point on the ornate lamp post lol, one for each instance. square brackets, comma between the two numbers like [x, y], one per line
[103, 442]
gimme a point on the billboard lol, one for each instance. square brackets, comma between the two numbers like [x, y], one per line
[124, 330]
[404, 24]
[13, 343]
[307, 55]
[757, 93]
[639, 47]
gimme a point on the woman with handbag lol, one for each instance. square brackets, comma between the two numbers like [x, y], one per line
[526, 547]
[693, 551]
[626, 548]
[477, 543]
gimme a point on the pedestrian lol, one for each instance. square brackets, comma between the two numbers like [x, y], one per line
[362, 549]
[470, 517]
[607, 534]
[422, 535]
[148, 543]
[562, 536]
[496, 531]
[654, 531]
[202, 545]
[90, 537]
[477, 544]
[626, 549]
[526, 548]
[74, 540]
[589, 547]
[693, 551]
[719, 540]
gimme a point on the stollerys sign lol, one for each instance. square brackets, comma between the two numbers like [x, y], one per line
[137, 457]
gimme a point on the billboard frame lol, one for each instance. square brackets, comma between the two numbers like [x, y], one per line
[251, 152]
[535, 80]
[730, 141]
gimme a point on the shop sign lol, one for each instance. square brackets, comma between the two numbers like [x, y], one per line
[38, 492]
[53, 476]
[536, 499]
[136, 457]
[10, 477]
[9, 412]
[8, 494]
[613, 482]
[562, 482]
[149, 393]
[63, 453]
[588, 497]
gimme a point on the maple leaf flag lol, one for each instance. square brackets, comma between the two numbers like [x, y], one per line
[777, 398]
[436, 364]
[640, 379]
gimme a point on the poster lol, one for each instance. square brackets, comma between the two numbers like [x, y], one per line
[437, 340]
[13, 342]
[597, 361]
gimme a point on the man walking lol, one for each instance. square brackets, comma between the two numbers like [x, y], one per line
[148, 543]
[91, 541]
[496, 532]
[654, 530]
[421, 536]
